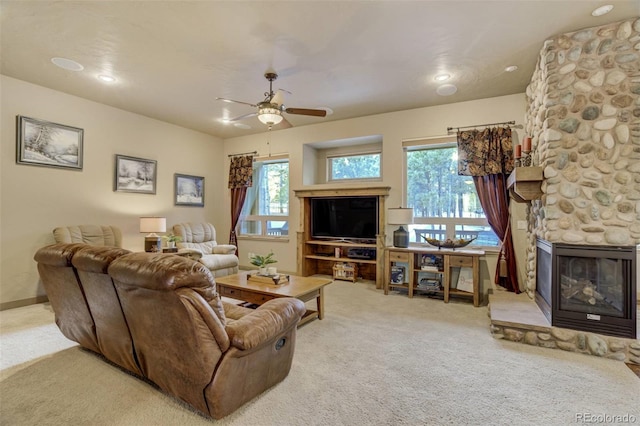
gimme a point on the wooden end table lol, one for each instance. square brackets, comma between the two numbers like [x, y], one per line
[238, 286]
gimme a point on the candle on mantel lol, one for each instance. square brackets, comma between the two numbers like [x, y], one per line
[518, 153]
[527, 144]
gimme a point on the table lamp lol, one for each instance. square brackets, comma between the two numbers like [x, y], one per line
[400, 216]
[151, 225]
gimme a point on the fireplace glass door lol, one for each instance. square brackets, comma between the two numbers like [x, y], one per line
[592, 288]
[592, 285]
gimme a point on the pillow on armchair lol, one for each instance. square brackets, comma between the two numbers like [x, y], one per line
[199, 241]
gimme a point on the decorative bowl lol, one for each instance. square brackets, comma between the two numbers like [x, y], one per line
[450, 244]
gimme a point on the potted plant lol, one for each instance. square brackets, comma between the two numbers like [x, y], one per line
[171, 240]
[262, 261]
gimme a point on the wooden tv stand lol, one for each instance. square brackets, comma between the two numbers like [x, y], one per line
[319, 256]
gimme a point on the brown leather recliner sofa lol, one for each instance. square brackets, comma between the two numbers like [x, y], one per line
[160, 317]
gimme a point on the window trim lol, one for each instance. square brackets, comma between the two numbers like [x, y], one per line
[263, 219]
[330, 157]
[438, 142]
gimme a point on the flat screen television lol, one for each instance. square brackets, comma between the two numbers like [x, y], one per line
[344, 218]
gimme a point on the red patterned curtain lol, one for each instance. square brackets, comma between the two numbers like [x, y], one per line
[487, 155]
[240, 178]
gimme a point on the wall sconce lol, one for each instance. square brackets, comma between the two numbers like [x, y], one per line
[151, 225]
[400, 216]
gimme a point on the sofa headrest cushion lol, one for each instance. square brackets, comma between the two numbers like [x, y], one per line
[59, 254]
[96, 258]
[162, 272]
[167, 273]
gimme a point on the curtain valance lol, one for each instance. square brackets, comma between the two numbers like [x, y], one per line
[485, 152]
[241, 172]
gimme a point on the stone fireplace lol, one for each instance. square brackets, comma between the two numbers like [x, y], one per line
[584, 119]
[583, 115]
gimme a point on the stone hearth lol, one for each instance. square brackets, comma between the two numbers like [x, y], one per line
[517, 318]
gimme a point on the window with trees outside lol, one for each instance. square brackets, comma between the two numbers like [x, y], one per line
[266, 208]
[445, 205]
[354, 166]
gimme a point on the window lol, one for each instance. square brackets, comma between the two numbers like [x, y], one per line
[354, 166]
[445, 205]
[266, 208]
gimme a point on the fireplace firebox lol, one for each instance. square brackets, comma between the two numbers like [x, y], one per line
[588, 288]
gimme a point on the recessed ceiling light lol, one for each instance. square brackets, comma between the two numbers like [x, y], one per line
[241, 126]
[106, 78]
[602, 10]
[446, 90]
[67, 64]
[442, 77]
[511, 68]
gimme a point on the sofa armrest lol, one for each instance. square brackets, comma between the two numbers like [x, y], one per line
[266, 322]
[224, 249]
[191, 253]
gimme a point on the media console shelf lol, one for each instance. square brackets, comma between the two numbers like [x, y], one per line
[319, 256]
[438, 275]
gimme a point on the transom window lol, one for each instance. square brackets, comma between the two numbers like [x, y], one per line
[354, 166]
[266, 208]
[445, 205]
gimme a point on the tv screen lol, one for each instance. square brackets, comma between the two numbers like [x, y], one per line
[344, 218]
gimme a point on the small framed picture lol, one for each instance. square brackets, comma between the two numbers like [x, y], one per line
[189, 190]
[42, 143]
[135, 175]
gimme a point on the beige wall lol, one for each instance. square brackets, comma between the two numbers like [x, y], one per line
[34, 200]
[394, 128]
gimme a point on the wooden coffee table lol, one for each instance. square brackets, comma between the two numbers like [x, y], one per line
[237, 286]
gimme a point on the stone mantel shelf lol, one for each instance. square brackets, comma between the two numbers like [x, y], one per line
[525, 184]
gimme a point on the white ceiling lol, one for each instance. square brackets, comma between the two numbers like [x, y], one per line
[172, 59]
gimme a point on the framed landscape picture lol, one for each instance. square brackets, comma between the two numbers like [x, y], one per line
[189, 190]
[42, 143]
[135, 175]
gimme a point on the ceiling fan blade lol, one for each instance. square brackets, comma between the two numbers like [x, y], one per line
[235, 102]
[306, 111]
[284, 124]
[242, 117]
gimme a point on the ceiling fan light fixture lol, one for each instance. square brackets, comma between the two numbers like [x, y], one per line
[269, 116]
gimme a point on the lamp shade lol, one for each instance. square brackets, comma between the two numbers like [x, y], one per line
[153, 224]
[400, 216]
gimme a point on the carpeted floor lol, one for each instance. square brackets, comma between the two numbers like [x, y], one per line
[373, 360]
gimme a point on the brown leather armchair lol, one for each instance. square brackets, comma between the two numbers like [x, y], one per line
[188, 346]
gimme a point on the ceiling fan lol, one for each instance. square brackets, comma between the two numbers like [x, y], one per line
[271, 108]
